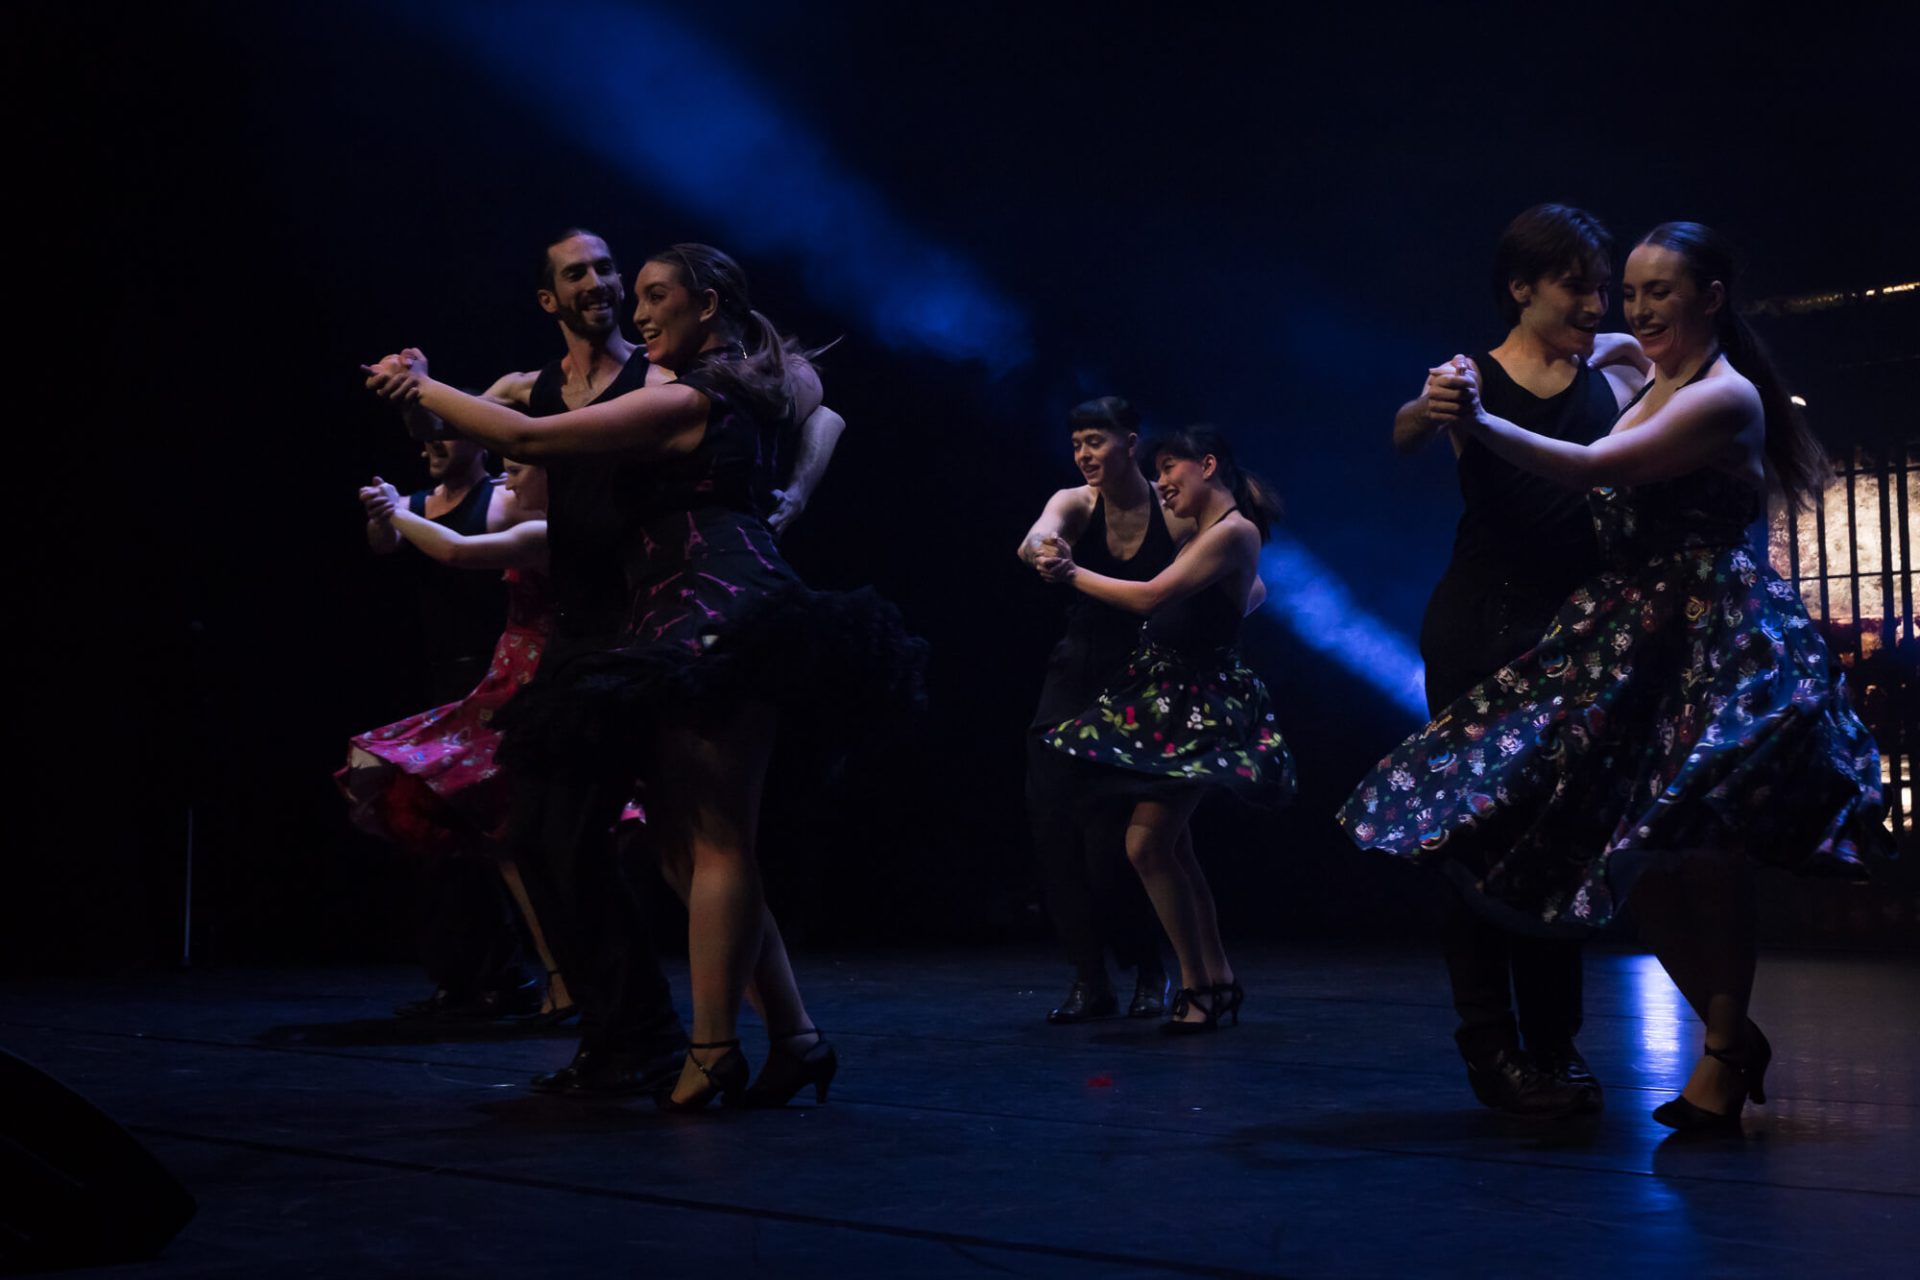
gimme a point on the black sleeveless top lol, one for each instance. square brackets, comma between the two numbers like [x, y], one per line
[584, 520]
[1099, 637]
[461, 612]
[1518, 528]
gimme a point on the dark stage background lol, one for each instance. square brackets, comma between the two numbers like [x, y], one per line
[1270, 223]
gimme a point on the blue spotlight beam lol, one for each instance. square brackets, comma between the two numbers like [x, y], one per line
[1316, 606]
[672, 111]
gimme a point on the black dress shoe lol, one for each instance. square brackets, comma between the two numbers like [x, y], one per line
[1084, 1003]
[1150, 995]
[516, 1001]
[1564, 1063]
[1507, 1080]
[613, 1073]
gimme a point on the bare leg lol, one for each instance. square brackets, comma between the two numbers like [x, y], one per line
[1161, 851]
[719, 777]
[1700, 918]
[557, 995]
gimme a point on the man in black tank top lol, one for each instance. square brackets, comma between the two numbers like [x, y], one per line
[1092, 895]
[1522, 545]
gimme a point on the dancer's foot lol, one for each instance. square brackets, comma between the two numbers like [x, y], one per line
[1507, 1080]
[610, 1073]
[1562, 1062]
[713, 1069]
[1151, 991]
[794, 1061]
[1086, 1001]
[1724, 1080]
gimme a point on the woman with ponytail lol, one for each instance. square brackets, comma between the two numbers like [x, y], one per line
[722, 643]
[1681, 718]
[1185, 715]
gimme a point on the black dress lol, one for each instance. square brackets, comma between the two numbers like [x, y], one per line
[714, 613]
[1092, 895]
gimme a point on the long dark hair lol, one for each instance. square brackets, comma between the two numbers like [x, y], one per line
[763, 369]
[1256, 498]
[1545, 239]
[1794, 456]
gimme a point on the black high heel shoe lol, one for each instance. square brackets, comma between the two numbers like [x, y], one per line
[726, 1078]
[1233, 995]
[1205, 999]
[1750, 1063]
[786, 1073]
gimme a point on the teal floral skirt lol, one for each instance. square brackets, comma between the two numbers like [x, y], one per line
[1169, 722]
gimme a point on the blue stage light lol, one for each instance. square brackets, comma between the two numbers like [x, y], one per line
[669, 109]
[1310, 598]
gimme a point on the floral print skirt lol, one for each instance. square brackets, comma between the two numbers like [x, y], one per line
[1168, 723]
[1682, 702]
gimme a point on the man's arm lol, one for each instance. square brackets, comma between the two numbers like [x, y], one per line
[1064, 517]
[819, 434]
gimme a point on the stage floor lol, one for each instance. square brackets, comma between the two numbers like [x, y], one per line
[1332, 1134]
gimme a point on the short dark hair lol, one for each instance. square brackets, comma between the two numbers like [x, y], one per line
[545, 274]
[1546, 240]
[1105, 411]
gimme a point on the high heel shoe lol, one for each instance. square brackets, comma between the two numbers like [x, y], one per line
[1233, 995]
[1750, 1063]
[726, 1078]
[1192, 998]
[786, 1072]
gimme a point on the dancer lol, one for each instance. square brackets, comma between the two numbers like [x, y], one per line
[1522, 544]
[631, 1037]
[1184, 715]
[466, 936]
[1680, 719]
[720, 633]
[1116, 526]
[429, 783]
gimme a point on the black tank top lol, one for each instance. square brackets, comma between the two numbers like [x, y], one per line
[1110, 633]
[461, 611]
[1517, 527]
[584, 520]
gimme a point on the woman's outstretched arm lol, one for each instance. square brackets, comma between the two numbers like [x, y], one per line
[523, 546]
[1214, 553]
[654, 421]
[1695, 428]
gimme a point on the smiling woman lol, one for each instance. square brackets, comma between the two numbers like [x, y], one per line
[722, 643]
[1680, 719]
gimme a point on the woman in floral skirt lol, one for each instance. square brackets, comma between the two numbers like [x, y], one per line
[1681, 718]
[1185, 715]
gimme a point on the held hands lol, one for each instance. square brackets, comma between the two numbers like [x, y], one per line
[399, 377]
[1453, 394]
[1053, 559]
[380, 499]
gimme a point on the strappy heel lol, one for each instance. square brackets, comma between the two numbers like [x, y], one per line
[1750, 1063]
[786, 1072]
[1214, 1001]
[726, 1078]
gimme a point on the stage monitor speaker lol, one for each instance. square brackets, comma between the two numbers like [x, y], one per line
[78, 1189]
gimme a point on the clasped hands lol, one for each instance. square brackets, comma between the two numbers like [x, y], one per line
[1453, 394]
[380, 499]
[399, 377]
[1053, 559]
